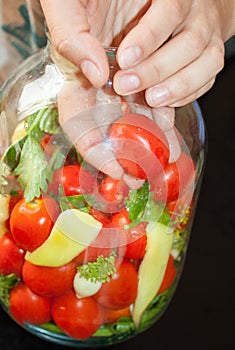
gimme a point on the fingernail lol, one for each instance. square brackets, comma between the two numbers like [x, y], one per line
[126, 83]
[158, 95]
[129, 57]
[91, 71]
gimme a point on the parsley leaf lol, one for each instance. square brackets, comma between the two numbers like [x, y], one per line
[12, 154]
[49, 121]
[32, 169]
[76, 201]
[156, 212]
[137, 201]
[26, 157]
[141, 207]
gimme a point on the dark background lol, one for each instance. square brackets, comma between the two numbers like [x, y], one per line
[202, 312]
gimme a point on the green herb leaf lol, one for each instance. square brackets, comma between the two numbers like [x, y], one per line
[32, 125]
[142, 207]
[12, 155]
[156, 212]
[77, 202]
[156, 308]
[50, 326]
[57, 159]
[101, 270]
[136, 201]
[26, 158]
[6, 284]
[32, 169]
[124, 325]
[49, 121]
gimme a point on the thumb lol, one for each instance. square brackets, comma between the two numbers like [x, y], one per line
[70, 33]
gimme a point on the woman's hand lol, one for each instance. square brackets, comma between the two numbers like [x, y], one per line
[174, 52]
[173, 49]
[80, 28]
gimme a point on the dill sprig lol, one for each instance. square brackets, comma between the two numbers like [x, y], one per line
[101, 270]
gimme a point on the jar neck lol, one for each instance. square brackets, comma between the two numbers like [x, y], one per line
[70, 71]
[111, 53]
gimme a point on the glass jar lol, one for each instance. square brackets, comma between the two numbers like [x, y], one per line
[98, 194]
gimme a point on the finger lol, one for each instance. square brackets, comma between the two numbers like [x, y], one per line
[70, 32]
[172, 57]
[83, 123]
[174, 145]
[164, 117]
[195, 95]
[189, 80]
[132, 182]
[152, 31]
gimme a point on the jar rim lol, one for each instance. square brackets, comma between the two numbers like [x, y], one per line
[111, 51]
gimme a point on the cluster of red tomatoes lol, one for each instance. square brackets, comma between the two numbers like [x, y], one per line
[46, 294]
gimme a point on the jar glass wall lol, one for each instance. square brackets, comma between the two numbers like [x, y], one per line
[98, 195]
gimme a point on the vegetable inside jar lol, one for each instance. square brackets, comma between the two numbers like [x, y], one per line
[97, 197]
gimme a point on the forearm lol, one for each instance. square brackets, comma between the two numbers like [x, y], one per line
[226, 9]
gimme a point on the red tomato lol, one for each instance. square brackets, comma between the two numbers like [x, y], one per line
[14, 199]
[49, 281]
[16, 193]
[111, 316]
[136, 236]
[169, 276]
[102, 245]
[26, 306]
[120, 292]
[99, 215]
[78, 318]
[11, 256]
[175, 179]
[73, 179]
[113, 237]
[125, 108]
[48, 144]
[136, 249]
[120, 219]
[140, 145]
[113, 194]
[31, 222]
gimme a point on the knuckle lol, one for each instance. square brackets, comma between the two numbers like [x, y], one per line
[60, 41]
[149, 74]
[155, 73]
[204, 89]
[218, 52]
[178, 10]
[197, 41]
[182, 87]
[210, 84]
[150, 33]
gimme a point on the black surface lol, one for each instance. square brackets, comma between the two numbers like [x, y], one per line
[202, 312]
